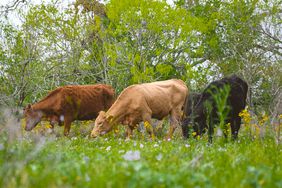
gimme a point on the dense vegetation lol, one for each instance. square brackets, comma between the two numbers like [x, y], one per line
[122, 42]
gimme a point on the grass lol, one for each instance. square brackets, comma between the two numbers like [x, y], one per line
[32, 160]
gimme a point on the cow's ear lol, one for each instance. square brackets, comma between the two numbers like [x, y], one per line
[102, 112]
[110, 118]
[28, 107]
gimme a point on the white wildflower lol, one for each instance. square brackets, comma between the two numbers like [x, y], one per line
[187, 145]
[141, 146]
[156, 145]
[108, 148]
[159, 157]
[221, 149]
[87, 178]
[132, 155]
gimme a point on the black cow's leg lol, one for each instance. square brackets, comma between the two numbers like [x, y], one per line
[235, 126]
[185, 129]
[210, 129]
[225, 129]
[210, 132]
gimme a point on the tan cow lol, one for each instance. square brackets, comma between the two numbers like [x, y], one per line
[142, 102]
[69, 103]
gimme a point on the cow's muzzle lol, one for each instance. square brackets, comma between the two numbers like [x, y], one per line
[94, 134]
[27, 128]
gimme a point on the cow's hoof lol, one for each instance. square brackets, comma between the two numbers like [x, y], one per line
[127, 139]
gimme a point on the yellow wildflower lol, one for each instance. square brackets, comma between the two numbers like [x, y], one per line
[264, 118]
[48, 126]
[246, 116]
[194, 133]
[147, 124]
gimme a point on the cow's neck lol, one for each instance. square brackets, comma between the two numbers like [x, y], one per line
[118, 112]
[42, 107]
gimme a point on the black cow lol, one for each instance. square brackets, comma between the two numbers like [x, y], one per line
[202, 109]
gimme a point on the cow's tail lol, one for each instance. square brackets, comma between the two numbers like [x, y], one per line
[185, 107]
[184, 125]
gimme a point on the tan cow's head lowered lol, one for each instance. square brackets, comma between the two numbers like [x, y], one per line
[32, 117]
[103, 124]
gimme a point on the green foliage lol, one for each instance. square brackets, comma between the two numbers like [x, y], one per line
[220, 96]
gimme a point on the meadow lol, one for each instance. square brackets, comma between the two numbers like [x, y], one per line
[41, 159]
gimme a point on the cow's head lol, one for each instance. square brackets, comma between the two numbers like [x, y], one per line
[103, 124]
[32, 117]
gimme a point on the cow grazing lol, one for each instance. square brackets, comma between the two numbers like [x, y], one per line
[142, 102]
[69, 103]
[200, 117]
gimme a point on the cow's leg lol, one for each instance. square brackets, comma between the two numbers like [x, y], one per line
[210, 124]
[235, 126]
[67, 122]
[52, 127]
[129, 132]
[159, 127]
[60, 123]
[225, 128]
[148, 125]
[174, 121]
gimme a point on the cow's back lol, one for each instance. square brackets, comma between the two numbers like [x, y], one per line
[85, 101]
[157, 97]
[236, 97]
[161, 97]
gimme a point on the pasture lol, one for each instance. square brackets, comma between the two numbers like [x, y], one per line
[41, 159]
[49, 45]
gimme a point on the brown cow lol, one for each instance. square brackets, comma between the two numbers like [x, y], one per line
[69, 103]
[142, 102]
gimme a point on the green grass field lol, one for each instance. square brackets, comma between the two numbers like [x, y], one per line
[32, 160]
